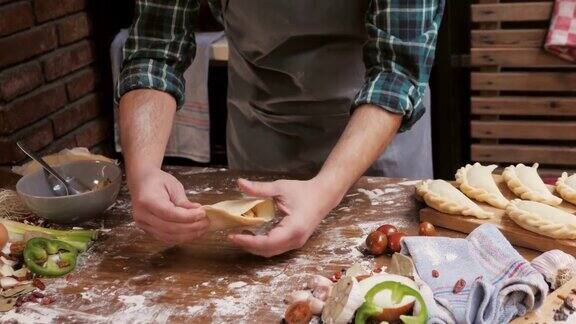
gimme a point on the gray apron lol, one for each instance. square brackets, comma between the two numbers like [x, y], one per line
[294, 69]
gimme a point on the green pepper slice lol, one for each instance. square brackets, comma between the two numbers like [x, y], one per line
[49, 258]
[369, 309]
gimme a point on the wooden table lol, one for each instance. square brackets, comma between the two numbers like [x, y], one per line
[128, 277]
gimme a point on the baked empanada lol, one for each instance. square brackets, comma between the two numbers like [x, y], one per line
[476, 182]
[444, 197]
[525, 182]
[542, 219]
[566, 187]
[236, 213]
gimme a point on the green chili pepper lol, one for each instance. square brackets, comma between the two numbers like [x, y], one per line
[369, 309]
[49, 258]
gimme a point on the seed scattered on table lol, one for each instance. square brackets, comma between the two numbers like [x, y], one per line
[459, 286]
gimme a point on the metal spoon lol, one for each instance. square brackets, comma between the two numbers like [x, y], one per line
[66, 189]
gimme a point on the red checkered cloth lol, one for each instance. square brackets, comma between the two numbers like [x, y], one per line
[561, 39]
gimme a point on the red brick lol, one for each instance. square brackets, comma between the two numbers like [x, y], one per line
[24, 45]
[71, 29]
[81, 83]
[35, 137]
[50, 9]
[76, 114]
[15, 17]
[67, 59]
[93, 132]
[6, 1]
[20, 79]
[32, 107]
[68, 141]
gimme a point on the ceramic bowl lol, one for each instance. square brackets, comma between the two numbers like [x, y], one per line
[35, 192]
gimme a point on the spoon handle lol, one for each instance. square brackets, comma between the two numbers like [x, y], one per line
[45, 165]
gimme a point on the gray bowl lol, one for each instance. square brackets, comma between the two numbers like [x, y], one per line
[35, 192]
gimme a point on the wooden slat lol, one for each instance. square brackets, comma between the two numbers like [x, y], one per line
[524, 38]
[524, 106]
[524, 153]
[524, 81]
[516, 57]
[549, 175]
[526, 11]
[552, 130]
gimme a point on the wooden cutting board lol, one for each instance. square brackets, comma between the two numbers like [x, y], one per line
[514, 233]
[545, 313]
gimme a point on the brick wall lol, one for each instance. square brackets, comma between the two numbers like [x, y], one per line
[50, 90]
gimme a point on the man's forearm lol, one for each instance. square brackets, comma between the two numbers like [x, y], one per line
[146, 117]
[366, 136]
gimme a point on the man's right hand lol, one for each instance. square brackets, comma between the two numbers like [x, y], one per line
[161, 208]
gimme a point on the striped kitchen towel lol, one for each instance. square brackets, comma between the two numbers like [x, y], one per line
[479, 279]
[561, 39]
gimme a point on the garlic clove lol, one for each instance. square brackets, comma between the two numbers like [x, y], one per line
[11, 263]
[316, 305]
[298, 296]
[321, 287]
[21, 273]
[556, 266]
[8, 282]
[6, 270]
[6, 248]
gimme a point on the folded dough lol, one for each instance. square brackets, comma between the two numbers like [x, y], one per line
[525, 182]
[444, 197]
[542, 219]
[237, 213]
[476, 182]
[566, 187]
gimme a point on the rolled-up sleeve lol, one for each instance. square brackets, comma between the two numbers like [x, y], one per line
[399, 55]
[159, 48]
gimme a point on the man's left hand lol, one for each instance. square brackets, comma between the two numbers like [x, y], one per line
[305, 203]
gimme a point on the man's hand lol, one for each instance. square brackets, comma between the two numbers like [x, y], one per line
[162, 209]
[305, 203]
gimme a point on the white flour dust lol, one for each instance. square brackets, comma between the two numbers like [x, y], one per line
[237, 284]
[378, 196]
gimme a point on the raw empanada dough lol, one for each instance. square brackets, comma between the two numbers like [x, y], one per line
[476, 182]
[236, 213]
[566, 187]
[525, 182]
[444, 197]
[542, 219]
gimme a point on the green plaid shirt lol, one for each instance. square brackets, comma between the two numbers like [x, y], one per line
[398, 55]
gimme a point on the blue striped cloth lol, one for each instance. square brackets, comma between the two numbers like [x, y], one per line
[500, 283]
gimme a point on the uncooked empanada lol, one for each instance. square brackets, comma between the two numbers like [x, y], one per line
[236, 213]
[444, 197]
[476, 182]
[566, 187]
[542, 219]
[525, 182]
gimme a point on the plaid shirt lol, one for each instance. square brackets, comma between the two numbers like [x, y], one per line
[398, 55]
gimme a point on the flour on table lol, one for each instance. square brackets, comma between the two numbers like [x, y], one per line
[195, 310]
[410, 183]
[237, 284]
[378, 196]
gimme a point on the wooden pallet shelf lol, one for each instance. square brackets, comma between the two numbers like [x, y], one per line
[521, 11]
[522, 96]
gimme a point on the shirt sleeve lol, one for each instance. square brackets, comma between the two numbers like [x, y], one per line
[159, 48]
[399, 55]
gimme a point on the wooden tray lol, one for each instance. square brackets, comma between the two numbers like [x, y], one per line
[545, 314]
[513, 232]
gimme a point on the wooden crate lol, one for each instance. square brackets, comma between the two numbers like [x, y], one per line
[523, 99]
